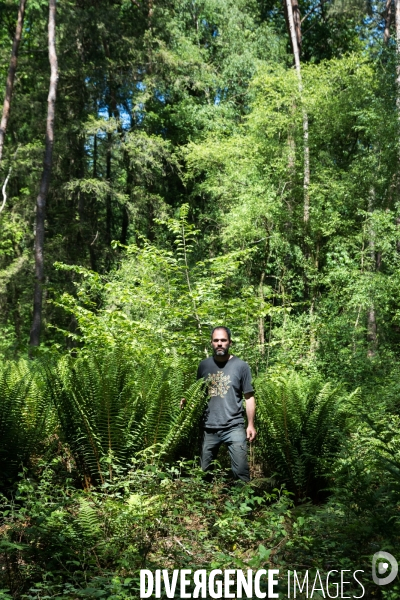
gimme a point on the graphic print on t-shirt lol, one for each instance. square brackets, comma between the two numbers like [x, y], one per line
[218, 384]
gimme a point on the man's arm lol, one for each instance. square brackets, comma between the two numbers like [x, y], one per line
[251, 413]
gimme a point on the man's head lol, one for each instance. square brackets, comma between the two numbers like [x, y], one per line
[221, 342]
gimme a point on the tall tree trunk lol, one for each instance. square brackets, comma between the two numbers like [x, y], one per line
[125, 214]
[44, 184]
[91, 243]
[372, 332]
[95, 157]
[108, 197]
[113, 111]
[11, 75]
[297, 23]
[296, 56]
[388, 21]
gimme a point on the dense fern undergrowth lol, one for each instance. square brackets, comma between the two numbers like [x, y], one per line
[100, 477]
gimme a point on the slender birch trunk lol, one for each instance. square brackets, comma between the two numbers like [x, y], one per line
[296, 55]
[11, 75]
[44, 184]
[388, 21]
[297, 23]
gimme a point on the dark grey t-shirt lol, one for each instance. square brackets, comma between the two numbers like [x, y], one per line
[226, 384]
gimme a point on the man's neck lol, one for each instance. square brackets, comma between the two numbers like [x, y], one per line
[222, 359]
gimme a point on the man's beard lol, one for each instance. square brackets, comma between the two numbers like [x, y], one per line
[221, 351]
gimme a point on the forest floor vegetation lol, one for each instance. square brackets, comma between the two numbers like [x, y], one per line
[61, 542]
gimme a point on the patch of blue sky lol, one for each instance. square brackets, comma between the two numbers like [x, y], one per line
[214, 28]
[103, 113]
[160, 97]
[124, 116]
[372, 28]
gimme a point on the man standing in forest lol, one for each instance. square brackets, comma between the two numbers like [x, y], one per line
[228, 378]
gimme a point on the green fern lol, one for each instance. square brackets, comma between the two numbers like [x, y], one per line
[109, 405]
[26, 416]
[87, 520]
[301, 425]
[92, 398]
[185, 424]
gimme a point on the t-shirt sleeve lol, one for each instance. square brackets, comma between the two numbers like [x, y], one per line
[198, 376]
[246, 380]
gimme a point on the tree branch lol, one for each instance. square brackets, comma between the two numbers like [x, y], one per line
[310, 12]
[3, 189]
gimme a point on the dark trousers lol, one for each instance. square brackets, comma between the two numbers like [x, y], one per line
[235, 440]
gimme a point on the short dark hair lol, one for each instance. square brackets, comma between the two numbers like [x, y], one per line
[228, 331]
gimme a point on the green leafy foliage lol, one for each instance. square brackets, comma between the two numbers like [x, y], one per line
[110, 406]
[94, 543]
[176, 204]
[26, 417]
[302, 425]
[161, 298]
[78, 544]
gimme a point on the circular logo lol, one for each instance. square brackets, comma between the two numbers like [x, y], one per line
[380, 563]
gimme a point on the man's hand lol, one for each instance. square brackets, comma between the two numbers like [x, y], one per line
[251, 413]
[251, 433]
[183, 402]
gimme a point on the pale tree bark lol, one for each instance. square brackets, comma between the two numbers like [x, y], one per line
[296, 56]
[11, 75]
[4, 188]
[297, 22]
[372, 332]
[388, 21]
[45, 180]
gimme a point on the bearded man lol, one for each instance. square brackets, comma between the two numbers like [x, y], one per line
[228, 379]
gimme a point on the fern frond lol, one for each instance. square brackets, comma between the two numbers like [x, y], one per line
[108, 404]
[26, 416]
[301, 423]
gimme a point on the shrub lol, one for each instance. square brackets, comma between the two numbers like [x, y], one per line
[112, 407]
[301, 428]
[25, 416]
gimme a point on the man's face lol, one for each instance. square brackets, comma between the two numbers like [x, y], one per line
[220, 343]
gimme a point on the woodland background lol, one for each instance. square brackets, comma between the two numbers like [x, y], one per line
[168, 166]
